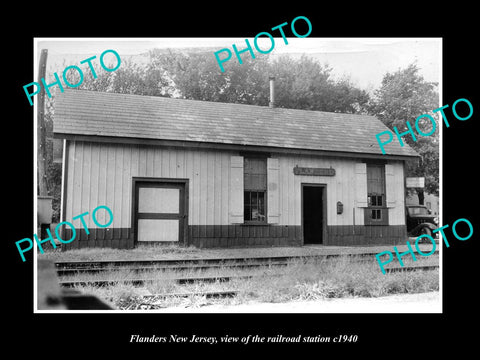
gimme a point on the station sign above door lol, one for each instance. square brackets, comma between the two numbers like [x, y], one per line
[312, 171]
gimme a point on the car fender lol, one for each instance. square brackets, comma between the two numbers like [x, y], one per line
[419, 227]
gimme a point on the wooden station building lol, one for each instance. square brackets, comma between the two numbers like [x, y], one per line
[212, 174]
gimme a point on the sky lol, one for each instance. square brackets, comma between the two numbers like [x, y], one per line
[364, 60]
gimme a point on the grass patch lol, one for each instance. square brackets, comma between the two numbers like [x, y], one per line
[337, 278]
[143, 252]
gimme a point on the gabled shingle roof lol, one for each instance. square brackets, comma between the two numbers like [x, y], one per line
[80, 112]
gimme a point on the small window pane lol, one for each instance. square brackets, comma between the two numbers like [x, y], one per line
[246, 198]
[254, 205]
[376, 214]
[261, 202]
[261, 207]
[246, 206]
[246, 212]
[379, 200]
[375, 200]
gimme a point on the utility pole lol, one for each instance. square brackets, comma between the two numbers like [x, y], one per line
[44, 202]
[41, 130]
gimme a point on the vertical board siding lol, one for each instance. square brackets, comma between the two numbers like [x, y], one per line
[95, 171]
[225, 200]
[126, 200]
[210, 184]
[68, 189]
[101, 174]
[340, 187]
[203, 189]
[196, 190]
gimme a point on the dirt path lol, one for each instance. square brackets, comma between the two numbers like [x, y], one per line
[180, 253]
[430, 302]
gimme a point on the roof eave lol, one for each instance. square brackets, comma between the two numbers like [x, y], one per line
[229, 146]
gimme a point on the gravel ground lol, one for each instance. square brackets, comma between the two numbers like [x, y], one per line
[430, 302]
[159, 252]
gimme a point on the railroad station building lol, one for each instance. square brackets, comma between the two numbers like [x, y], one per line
[210, 174]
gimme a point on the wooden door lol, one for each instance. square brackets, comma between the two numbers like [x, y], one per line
[160, 212]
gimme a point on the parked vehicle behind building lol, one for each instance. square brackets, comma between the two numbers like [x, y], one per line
[420, 220]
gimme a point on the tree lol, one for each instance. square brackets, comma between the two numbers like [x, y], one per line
[403, 96]
[300, 83]
[130, 78]
[306, 84]
[196, 76]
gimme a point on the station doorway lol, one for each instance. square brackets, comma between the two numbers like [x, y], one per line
[313, 213]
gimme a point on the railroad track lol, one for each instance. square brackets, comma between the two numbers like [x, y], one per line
[209, 279]
[65, 268]
[140, 282]
[137, 267]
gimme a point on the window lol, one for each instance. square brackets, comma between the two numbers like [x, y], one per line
[375, 200]
[255, 189]
[377, 212]
[417, 210]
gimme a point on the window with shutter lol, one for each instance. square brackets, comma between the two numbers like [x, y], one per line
[376, 212]
[255, 189]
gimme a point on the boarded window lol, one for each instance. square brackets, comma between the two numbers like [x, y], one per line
[376, 179]
[255, 189]
[377, 212]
